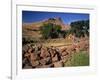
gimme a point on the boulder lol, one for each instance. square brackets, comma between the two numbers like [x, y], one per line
[58, 64]
[48, 60]
[27, 55]
[33, 56]
[45, 61]
[34, 63]
[64, 53]
[42, 62]
[64, 58]
[25, 48]
[30, 50]
[44, 53]
[63, 49]
[39, 46]
[53, 52]
[55, 58]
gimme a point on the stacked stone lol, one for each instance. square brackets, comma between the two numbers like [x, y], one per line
[39, 56]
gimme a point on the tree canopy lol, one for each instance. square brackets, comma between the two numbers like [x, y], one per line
[80, 28]
[50, 30]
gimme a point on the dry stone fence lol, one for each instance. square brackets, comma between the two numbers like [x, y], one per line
[39, 56]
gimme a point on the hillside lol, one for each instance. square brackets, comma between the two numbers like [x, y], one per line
[44, 47]
[33, 29]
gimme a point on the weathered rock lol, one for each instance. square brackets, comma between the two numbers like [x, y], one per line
[38, 56]
[64, 53]
[48, 60]
[30, 50]
[38, 53]
[69, 51]
[24, 62]
[72, 47]
[45, 61]
[44, 53]
[83, 45]
[51, 52]
[64, 58]
[77, 50]
[27, 55]
[36, 49]
[58, 64]
[63, 49]
[55, 58]
[34, 63]
[33, 56]
[39, 46]
[25, 48]
[42, 62]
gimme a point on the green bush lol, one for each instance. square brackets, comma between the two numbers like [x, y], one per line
[50, 30]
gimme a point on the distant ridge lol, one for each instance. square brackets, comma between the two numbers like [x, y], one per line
[57, 21]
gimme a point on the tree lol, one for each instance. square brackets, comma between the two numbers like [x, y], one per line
[80, 28]
[45, 30]
[50, 30]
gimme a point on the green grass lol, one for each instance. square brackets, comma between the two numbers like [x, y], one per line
[78, 59]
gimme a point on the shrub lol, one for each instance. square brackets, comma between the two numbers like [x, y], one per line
[50, 30]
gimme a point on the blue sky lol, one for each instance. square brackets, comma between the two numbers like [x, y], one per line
[67, 18]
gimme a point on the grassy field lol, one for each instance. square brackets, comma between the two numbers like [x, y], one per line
[78, 59]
